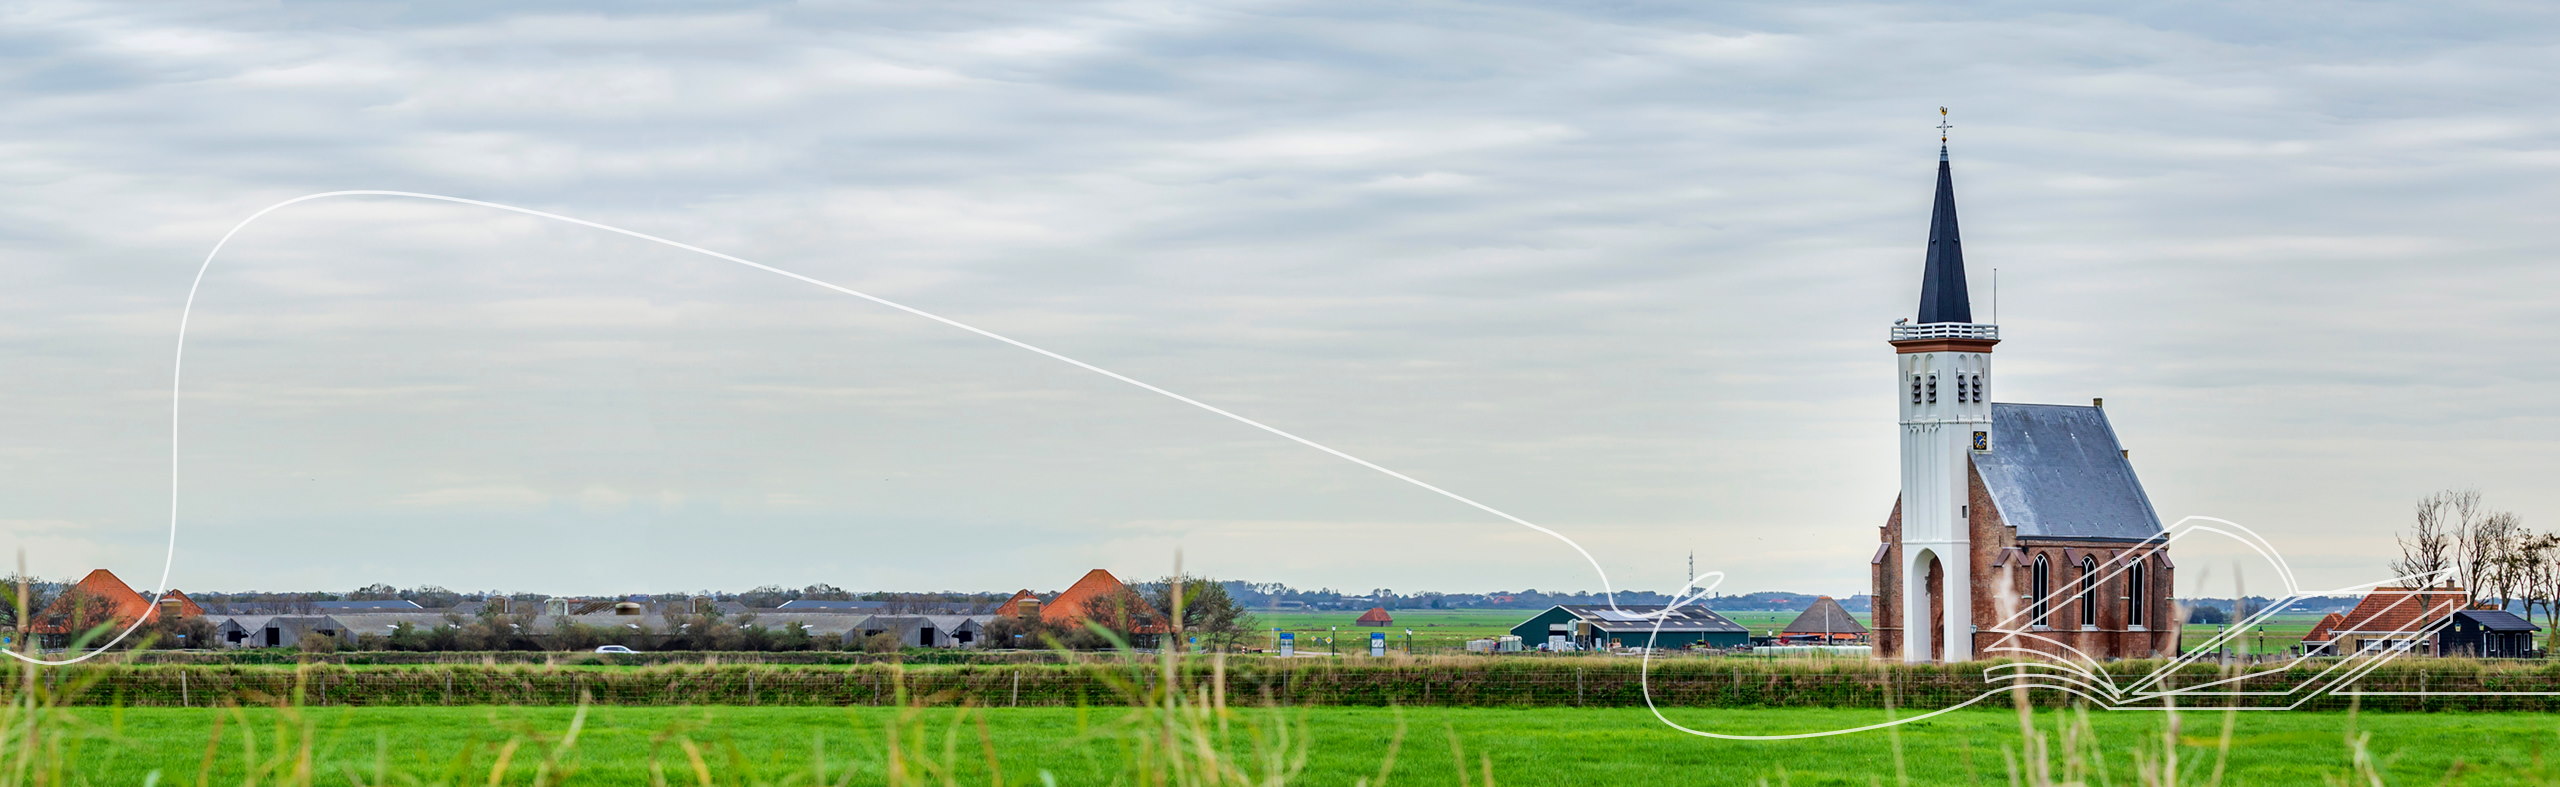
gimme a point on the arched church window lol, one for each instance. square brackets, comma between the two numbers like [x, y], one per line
[2088, 592]
[1915, 389]
[1977, 387]
[2043, 589]
[1933, 387]
[2134, 594]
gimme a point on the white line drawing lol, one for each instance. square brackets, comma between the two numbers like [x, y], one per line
[2081, 676]
[2084, 679]
[178, 379]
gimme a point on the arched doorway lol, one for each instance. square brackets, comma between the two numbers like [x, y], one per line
[1925, 611]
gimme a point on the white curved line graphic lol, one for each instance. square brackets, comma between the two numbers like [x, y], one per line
[178, 368]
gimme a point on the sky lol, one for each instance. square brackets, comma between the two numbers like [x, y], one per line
[1621, 270]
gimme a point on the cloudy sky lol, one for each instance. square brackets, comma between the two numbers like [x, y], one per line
[1623, 271]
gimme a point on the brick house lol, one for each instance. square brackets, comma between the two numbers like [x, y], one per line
[102, 598]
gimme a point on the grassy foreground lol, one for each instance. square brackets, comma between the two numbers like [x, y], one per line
[624, 745]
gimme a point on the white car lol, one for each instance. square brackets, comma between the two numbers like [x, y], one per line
[615, 649]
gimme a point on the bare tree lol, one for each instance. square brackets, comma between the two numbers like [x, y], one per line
[2475, 548]
[2537, 559]
[2503, 534]
[2428, 548]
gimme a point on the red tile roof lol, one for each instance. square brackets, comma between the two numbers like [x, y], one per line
[1013, 606]
[2402, 610]
[124, 605]
[1071, 606]
[1376, 616]
[2326, 629]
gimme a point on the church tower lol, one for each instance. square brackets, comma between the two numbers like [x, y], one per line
[1944, 358]
[2022, 528]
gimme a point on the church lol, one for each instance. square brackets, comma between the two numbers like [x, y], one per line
[2021, 529]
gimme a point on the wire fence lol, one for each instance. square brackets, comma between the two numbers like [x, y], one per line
[1480, 683]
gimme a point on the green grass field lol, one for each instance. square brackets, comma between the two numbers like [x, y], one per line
[1433, 629]
[1527, 746]
[1449, 629]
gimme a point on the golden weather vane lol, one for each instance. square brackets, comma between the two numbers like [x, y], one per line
[1942, 125]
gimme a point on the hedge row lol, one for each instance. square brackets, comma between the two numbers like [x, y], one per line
[1475, 682]
[288, 656]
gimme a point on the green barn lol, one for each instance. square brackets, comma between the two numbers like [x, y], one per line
[1588, 626]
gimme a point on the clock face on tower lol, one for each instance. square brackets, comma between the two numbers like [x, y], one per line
[1982, 441]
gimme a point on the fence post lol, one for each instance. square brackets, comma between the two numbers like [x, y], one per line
[1017, 688]
[182, 688]
[1577, 686]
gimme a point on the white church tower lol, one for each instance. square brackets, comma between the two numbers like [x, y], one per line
[1945, 362]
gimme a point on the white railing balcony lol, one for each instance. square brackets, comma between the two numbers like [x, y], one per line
[1946, 330]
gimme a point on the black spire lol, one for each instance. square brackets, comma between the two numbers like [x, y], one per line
[1942, 293]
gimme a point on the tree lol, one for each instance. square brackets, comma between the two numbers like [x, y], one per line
[1021, 631]
[1208, 610]
[174, 633]
[883, 642]
[2427, 550]
[2504, 534]
[2540, 558]
[26, 596]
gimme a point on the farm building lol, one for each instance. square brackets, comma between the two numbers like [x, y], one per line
[2389, 619]
[101, 599]
[2322, 635]
[930, 631]
[1095, 594]
[2488, 634]
[1826, 621]
[1375, 617]
[1589, 626]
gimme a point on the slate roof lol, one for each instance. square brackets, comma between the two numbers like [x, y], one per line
[1826, 616]
[387, 605]
[806, 605]
[2056, 471]
[2497, 620]
[1630, 618]
[1942, 290]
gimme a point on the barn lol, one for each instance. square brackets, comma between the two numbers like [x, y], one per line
[1590, 626]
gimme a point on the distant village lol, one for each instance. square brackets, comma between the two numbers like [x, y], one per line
[1097, 610]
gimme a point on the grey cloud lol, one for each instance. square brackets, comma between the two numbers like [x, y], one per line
[1624, 270]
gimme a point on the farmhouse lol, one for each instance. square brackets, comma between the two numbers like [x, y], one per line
[1375, 617]
[2438, 621]
[1825, 622]
[2488, 634]
[1098, 595]
[2019, 525]
[102, 599]
[1598, 626]
[2395, 618]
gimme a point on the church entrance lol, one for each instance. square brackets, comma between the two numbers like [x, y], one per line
[1925, 626]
